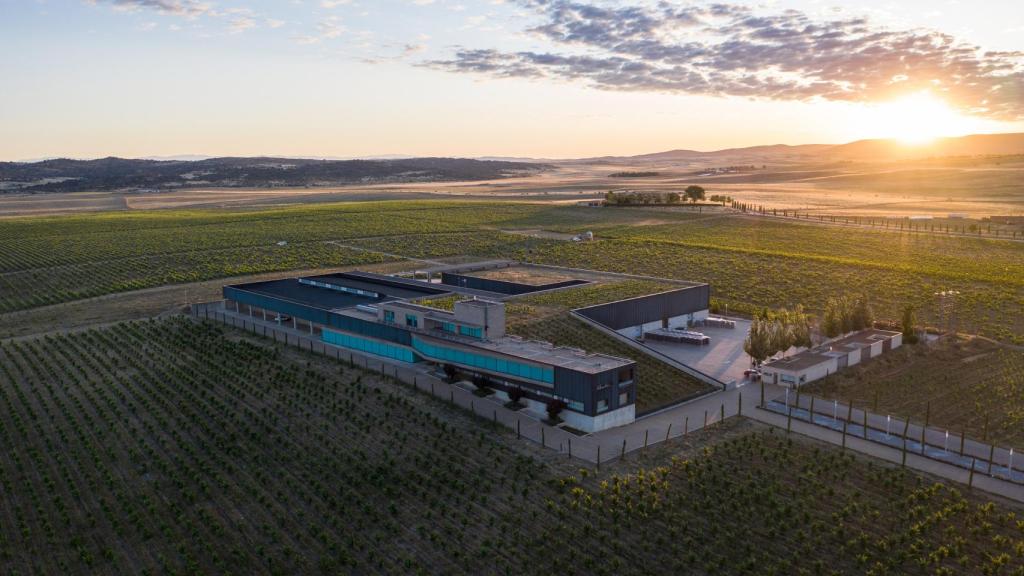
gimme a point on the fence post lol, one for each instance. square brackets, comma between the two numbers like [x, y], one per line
[991, 457]
[543, 440]
[705, 418]
[739, 405]
[646, 432]
[762, 393]
[668, 432]
[570, 446]
[789, 419]
[963, 437]
[810, 413]
[519, 430]
[722, 418]
[849, 410]
[686, 426]
[598, 456]
[970, 479]
[623, 448]
[844, 435]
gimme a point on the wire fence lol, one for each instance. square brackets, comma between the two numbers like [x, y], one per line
[931, 442]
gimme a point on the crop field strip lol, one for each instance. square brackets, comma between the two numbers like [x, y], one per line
[751, 263]
[205, 451]
[73, 258]
[974, 387]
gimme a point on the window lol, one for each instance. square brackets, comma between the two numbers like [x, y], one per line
[626, 375]
[574, 405]
[370, 346]
[602, 405]
[623, 399]
[448, 327]
[485, 362]
[412, 320]
[389, 316]
[472, 332]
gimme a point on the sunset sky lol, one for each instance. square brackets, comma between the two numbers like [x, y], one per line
[539, 78]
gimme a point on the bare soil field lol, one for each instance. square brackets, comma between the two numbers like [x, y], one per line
[974, 187]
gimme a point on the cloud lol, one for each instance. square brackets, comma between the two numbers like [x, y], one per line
[735, 50]
[186, 8]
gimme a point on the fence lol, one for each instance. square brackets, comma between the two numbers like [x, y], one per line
[933, 443]
[419, 378]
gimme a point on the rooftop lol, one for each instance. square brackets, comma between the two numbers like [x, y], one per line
[547, 353]
[801, 360]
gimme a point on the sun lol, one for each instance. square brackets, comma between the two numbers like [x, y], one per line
[914, 119]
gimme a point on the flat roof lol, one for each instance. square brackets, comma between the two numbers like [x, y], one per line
[827, 352]
[548, 353]
[394, 287]
[800, 361]
[323, 298]
[866, 338]
[535, 350]
[415, 284]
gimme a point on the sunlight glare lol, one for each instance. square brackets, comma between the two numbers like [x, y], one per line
[915, 119]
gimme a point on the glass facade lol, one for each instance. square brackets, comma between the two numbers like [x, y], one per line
[389, 316]
[371, 346]
[489, 363]
[412, 320]
[472, 332]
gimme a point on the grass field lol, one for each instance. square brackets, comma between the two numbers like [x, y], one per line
[973, 386]
[172, 447]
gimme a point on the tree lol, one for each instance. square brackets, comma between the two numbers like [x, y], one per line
[863, 315]
[694, 193]
[909, 325]
[555, 408]
[672, 198]
[799, 327]
[449, 372]
[758, 342]
[483, 384]
[515, 394]
[831, 324]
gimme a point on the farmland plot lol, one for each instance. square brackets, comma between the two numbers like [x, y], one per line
[182, 448]
[973, 386]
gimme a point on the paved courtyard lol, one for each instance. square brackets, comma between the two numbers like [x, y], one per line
[723, 358]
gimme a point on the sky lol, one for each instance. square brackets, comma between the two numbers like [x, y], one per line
[510, 78]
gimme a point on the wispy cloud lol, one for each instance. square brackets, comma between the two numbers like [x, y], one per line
[735, 50]
[186, 8]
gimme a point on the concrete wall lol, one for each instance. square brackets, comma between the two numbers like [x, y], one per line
[490, 315]
[609, 419]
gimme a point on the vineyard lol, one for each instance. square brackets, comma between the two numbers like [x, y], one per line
[749, 279]
[205, 451]
[58, 259]
[973, 386]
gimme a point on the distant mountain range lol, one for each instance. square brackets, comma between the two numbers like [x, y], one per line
[63, 175]
[881, 150]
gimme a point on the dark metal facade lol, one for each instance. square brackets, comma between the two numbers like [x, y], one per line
[644, 309]
[502, 286]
